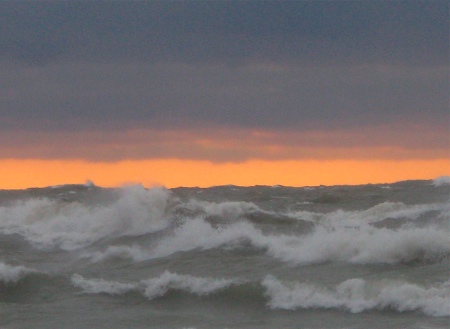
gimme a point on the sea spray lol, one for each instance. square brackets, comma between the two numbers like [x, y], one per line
[363, 244]
[48, 223]
[358, 295]
[365, 256]
[12, 274]
[153, 287]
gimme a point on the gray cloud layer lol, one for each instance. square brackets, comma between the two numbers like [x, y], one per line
[289, 66]
[121, 96]
[226, 31]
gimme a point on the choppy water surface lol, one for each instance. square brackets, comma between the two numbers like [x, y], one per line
[369, 256]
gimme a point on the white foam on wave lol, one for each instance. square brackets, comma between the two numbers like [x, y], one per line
[441, 181]
[97, 286]
[362, 245]
[154, 287]
[195, 285]
[358, 295]
[48, 223]
[227, 209]
[192, 234]
[199, 234]
[134, 253]
[339, 236]
[13, 274]
[392, 210]
[355, 295]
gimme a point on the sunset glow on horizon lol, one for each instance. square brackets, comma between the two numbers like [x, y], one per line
[225, 163]
[205, 93]
[20, 174]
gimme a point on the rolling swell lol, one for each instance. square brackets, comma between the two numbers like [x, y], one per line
[354, 295]
[273, 252]
[20, 284]
[358, 295]
[53, 223]
[357, 244]
[12, 274]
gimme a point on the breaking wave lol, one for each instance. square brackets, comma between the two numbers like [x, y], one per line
[380, 212]
[354, 295]
[361, 245]
[13, 274]
[50, 223]
[227, 209]
[343, 236]
[440, 181]
[381, 250]
[358, 295]
[154, 287]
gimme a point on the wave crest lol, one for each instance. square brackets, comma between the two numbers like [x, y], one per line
[154, 287]
[49, 223]
[441, 181]
[357, 295]
[171, 281]
[354, 295]
[361, 245]
[13, 274]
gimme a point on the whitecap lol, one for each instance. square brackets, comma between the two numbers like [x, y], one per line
[97, 286]
[392, 210]
[49, 223]
[441, 181]
[13, 274]
[157, 287]
[227, 209]
[153, 287]
[358, 295]
[362, 245]
[134, 253]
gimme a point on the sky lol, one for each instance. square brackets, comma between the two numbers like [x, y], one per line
[202, 93]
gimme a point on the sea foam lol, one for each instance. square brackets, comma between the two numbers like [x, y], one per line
[12, 274]
[195, 285]
[364, 244]
[358, 295]
[391, 210]
[441, 181]
[154, 287]
[354, 295]
[97, 286]
[227, 209]
[342, 238]
[49, 223]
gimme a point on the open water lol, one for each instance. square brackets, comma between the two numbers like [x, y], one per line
[368, 256]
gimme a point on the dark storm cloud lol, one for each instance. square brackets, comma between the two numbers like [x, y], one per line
[225, 31]
[98, 96]
[101, 66]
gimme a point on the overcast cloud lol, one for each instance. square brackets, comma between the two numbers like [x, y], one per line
[101, 66]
